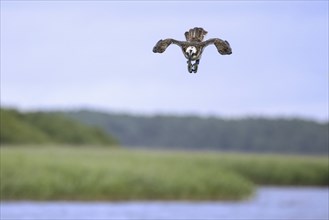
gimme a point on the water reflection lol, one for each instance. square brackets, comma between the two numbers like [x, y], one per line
[268, 203]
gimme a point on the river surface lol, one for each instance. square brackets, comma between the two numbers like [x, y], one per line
[272, 203]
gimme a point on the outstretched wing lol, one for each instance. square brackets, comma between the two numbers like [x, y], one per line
[222, 46]
[162, 45]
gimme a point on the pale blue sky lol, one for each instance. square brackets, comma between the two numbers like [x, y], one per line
[98, 54]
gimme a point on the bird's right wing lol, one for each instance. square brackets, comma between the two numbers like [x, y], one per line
[223, 47]
[162, 45]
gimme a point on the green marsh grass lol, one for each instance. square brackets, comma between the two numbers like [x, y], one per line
[96, 173]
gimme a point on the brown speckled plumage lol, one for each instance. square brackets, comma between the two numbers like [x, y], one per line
[193, 46]
[194, 38]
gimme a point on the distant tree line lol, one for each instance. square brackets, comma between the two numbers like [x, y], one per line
[48, 128]
[280, 135]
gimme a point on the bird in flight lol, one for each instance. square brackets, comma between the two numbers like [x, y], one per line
[193, 46]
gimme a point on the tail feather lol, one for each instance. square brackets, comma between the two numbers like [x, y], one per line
[195, 35]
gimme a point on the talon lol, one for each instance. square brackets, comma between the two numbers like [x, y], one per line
[190, 68]
[195, 68]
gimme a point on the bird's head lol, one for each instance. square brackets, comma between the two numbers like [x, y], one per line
[190, 52]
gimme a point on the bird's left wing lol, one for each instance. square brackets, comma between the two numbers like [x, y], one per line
[223, 47]
[162, 45]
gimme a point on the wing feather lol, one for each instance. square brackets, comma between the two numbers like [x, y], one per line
[223, 47]
[162, 45]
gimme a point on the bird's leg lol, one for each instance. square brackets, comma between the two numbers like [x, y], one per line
[192, 67]
[195, 66]
[189, 66]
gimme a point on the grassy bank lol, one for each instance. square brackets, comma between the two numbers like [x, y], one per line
[67, 173]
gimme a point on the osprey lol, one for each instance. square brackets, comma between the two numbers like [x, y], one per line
[193, 46]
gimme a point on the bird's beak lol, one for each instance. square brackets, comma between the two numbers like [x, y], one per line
[189, 53]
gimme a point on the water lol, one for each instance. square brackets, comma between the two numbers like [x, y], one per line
[272, 203]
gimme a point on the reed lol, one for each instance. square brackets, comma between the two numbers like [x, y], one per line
[96, 173]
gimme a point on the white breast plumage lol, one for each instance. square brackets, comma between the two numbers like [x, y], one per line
[191, 50]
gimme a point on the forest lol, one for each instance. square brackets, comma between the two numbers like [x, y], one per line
[189, 132]
[275, 135]
[48, 128]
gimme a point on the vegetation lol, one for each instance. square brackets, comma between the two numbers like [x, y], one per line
[64, 172]
[41, 127]
[210, 133]
[168, 132]
[67, 173]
